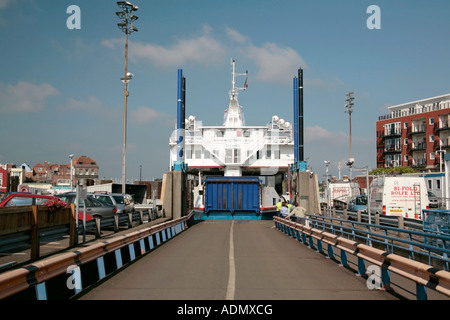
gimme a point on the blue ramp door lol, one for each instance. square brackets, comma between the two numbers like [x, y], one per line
[232, 194]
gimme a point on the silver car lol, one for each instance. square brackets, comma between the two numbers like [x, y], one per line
[123, 201]
[94, 207]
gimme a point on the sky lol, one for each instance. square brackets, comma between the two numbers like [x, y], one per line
[61, 93]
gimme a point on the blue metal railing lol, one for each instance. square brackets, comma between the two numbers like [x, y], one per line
[413, 244]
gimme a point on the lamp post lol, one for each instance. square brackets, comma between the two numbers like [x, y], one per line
[327, 164]
[71, 171]
[126, 25]
[349, 110]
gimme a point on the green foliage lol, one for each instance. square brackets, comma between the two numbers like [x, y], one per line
[396, 170]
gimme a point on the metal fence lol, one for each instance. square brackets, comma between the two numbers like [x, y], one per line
[410, 243]
[397, 254]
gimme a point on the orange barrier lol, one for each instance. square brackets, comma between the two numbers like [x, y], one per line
[37, 273]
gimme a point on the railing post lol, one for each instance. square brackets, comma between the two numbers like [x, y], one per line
[361, 267]
[330, 251]
[41, 291]
[98, 232]
[73, 232]
[101, 268]
[401, 224]
[386, 278]
[130, 220]
[421, 291]
[34, 254]
[344, 262]
[116, 223]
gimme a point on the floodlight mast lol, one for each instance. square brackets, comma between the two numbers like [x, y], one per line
[126, 25]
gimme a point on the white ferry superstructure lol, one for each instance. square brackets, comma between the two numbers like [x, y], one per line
[235, 149]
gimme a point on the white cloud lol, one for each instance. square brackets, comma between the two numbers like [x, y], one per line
[236, 36]
[25, 97]
[203, 49]
[144, 115]
[276, 64]
[91, 106]
[318, 134]
[4, 3]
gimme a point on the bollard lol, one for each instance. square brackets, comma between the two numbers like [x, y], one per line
[401, 223]
[345, 217]
[358, 214]
[98, 232]
[116, 223]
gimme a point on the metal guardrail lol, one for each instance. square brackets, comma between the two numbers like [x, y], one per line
[359, 241]
[13, 242]
[360, 216]
[65, 275]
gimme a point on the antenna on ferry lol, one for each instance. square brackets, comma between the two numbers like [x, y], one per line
[234, 89]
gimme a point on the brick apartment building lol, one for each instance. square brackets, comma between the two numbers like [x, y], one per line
[85, 170]
[415, 134]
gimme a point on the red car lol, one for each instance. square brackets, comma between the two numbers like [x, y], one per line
[24, 199]
[14, 199]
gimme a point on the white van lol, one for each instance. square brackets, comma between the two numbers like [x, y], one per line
[403, 196]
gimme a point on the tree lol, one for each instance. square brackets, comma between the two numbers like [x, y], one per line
[396, 170]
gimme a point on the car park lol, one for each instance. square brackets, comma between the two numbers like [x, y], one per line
[93, 206]
[123, 201]
[13, 199]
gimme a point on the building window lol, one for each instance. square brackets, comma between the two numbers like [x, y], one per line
[406, 141]
[431, 155]
[405, 125]
[431, 138]
[431, 121]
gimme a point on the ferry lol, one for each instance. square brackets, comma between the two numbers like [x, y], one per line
[234, 154]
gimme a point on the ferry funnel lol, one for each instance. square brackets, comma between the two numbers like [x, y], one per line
[179, 165]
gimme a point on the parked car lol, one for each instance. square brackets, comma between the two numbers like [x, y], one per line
[24, 199]
[357, 203]
[94, 207]
[433, 200]
[124, 202]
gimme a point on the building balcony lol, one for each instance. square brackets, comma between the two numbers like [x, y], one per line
[393, 149]
[418, 163]
[417, 130]
[392, 134]
[442, 125]
[417, 146]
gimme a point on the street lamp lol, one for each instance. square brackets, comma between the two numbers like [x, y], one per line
[349, 110]
[126, 25]
[71, 171]
[327, 164]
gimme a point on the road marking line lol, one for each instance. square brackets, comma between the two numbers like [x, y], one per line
[232, 275]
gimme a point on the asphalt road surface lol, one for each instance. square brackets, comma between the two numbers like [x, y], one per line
[235, 260]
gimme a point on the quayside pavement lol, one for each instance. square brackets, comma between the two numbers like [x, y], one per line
[235, 260]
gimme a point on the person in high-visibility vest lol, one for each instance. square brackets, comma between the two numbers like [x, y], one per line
[279, 205]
